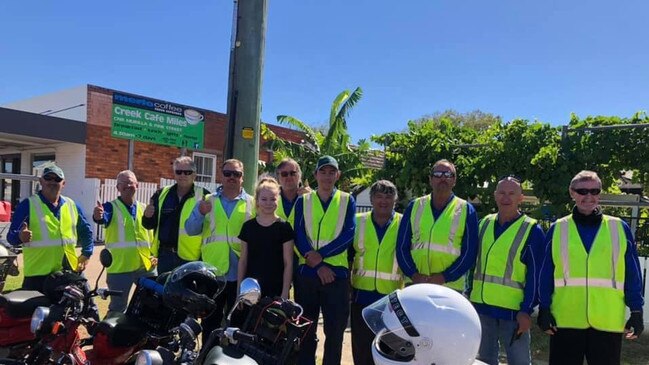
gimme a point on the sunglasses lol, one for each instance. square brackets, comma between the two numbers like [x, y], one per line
[230, 173]
[288, 173]
[52, 178]
[184, 172]
[440, 174]
[587, 191]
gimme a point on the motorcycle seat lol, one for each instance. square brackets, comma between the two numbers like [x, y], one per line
[21, 303]
[122, 330]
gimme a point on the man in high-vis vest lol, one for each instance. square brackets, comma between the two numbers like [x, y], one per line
[324, 229]
[217, 221]
[590, 274]
[375, 271]
[438, 234]
[49, 226]
[289, 176]
[167, 213]
[126, 239]
[504, 289]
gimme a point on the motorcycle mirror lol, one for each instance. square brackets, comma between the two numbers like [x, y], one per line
[249, 291]
[106, 258]
[249, 294]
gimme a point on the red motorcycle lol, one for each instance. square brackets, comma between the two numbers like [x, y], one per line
[113, 340]
[16, 309]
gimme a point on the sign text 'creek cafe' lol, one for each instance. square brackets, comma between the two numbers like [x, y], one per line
[155, 121]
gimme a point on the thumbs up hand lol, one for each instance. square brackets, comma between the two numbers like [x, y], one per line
[150, 209]
[25, 234]
[204, 207]
[98, 212]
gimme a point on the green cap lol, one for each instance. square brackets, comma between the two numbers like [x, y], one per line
[327, 161]
[53, 169]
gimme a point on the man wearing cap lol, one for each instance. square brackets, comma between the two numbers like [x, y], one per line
[438, 235]
[217, 220]
[167, 212]
[128, 241]
[504, 285]
[49, 226]
[324, 229]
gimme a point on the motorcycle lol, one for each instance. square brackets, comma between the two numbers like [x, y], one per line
[113, 340]
[271, 334]
[8, 263]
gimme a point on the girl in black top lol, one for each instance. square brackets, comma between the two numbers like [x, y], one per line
[267, 244]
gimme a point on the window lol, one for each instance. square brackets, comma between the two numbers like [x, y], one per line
[205, 167]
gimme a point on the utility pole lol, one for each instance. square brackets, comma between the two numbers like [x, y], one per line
[244, 89]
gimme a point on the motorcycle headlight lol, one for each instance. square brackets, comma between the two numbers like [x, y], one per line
[148, 357]
[39, 316]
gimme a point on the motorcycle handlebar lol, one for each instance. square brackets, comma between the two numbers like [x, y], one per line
[105, 293]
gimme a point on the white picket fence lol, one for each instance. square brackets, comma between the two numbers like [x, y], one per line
[108, 192]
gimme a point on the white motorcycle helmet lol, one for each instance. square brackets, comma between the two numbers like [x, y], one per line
[423, 324]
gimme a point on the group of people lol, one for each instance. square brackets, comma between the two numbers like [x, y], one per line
[582, 274]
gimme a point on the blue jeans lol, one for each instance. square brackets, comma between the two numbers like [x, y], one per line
[123, 282]
[168, 260]
[333, 299]
[500, 330]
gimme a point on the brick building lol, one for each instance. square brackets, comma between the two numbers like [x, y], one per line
[73, 128]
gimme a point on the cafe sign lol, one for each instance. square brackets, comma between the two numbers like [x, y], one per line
[155, 121]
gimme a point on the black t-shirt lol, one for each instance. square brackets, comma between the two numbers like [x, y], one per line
[265, 253]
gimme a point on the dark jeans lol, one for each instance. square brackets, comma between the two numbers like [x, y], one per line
[333, 299]
[168, 260]
[224, 302]
[362, 337]
[570, 346]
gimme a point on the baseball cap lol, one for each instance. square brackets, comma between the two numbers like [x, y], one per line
[327, 161]
[53, 169]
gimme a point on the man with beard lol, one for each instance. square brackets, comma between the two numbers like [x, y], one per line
[438, 240]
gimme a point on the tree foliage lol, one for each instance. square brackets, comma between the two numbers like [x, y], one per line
[545, 157]
[334, 141]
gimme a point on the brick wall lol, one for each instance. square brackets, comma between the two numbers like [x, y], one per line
[106, 156]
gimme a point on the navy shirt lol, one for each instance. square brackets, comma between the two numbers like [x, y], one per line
[468, 251]
[84, 233]
[366, 297]
[632, 278]
[531, 257]
[335, 247]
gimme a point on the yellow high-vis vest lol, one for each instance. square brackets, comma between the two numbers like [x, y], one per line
[221, 233]
[189, 247]
[589, 286]
[323, 227]
[52, 239]
[280, 212]
[375, 265]
[436, 244]
[127, 240]
[499, 276]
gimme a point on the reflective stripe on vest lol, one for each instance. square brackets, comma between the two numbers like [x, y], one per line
[589, 286]
[499, 276]
[53, 240]
[381, 274]
[128, 240]
[322, 226]
[436, 244]
[189, 247]
[220, 232]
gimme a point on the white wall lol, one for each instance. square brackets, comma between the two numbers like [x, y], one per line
[56, 101]
[644, 262]
[363, 198]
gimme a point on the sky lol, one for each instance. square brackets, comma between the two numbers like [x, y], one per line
[536, 60]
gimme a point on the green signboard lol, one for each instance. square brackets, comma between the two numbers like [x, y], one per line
[154, 121]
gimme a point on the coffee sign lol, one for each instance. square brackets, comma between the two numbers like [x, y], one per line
[155, 121]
